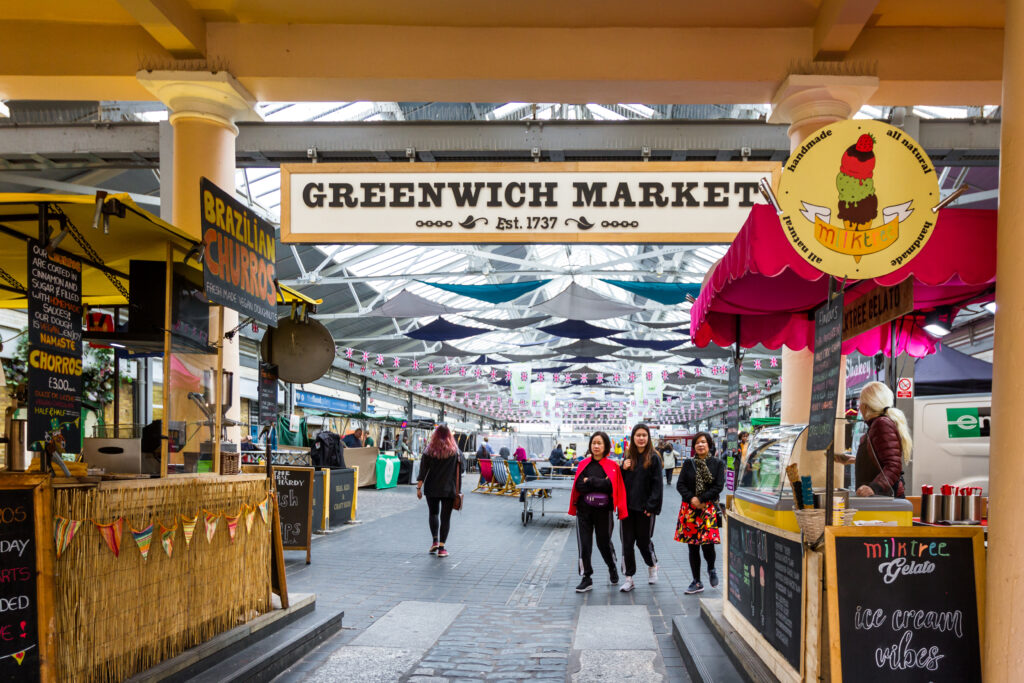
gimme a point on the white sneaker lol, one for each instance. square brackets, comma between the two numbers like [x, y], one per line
[627, 585]
[652, 574]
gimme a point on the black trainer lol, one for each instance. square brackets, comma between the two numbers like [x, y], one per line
[713, 578]
[695, 587]
[613, 576]
[585, 585]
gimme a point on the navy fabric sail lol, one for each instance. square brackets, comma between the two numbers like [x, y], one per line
[491, 293]
[577, 329]
[653, 344]
[443, 330]
[514, 323]
[667, 293]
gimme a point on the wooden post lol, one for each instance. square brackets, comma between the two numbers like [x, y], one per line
[218, 392]
[165, 443]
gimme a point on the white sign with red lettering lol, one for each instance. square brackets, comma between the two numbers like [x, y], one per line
[905, 387]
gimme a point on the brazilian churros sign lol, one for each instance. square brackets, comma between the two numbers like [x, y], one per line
[858, 198]
[239, 267]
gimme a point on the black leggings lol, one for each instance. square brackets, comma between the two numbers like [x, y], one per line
[439, 507]
[636, 530]
[592, 522]
[709, 556]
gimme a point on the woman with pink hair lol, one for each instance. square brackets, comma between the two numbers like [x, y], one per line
[440, 478]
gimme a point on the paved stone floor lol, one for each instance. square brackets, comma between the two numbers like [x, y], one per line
[502, 606]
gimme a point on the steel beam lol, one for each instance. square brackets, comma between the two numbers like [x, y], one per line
[970, 142]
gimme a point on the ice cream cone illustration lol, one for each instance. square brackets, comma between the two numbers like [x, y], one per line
[762, 595]
[858, 204]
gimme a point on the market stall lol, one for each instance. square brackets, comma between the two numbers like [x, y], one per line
[131, 517]
[798, 545]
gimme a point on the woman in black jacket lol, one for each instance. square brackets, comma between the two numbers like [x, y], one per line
[701, 481]
[641, 474]
[440, 478]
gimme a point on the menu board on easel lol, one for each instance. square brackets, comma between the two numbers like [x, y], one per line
[26, 581]
[295, 502]
[55, 348]
[905, 603]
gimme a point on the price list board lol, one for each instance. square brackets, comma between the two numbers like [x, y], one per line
[905, 603]
[732, 428]
[828, 342]
[55, 349]
[766, 585]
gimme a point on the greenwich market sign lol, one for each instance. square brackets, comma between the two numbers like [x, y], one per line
[857, 199]
[551, 202]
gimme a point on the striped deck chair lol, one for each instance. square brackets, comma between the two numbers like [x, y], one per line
[501, 476]
[486, 476]
[515, 471]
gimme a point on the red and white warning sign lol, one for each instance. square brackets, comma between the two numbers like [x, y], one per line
[905, 387]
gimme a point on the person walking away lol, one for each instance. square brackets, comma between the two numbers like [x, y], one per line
[668, 460]
[641, 476]
[597, 494]
[885, 448]
[440, 477]
[700, 483]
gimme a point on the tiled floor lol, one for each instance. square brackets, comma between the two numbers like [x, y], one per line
[517, 584]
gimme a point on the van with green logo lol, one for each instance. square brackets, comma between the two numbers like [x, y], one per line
[951, 441]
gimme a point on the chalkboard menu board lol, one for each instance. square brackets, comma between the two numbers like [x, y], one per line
[267, 394]
[343, 489]
[907, 604]
[55, 348]
[828, 348]
[732, 427]
[295, 504]
[19, 623]
[766, 585]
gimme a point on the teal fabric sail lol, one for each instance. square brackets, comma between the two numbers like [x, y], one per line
[667, 293]
[495, 294]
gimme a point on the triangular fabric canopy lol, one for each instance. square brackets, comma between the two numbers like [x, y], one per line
[653, 344]
[449, 351]
[665, 325]
[588, 347]
[577, 329]
[492, 293]
[642, 359]
[668, 293]
[708, 353]
[528, 357]
[948, 371]
[696, 363]
[405, 304]
[586, 359]
[485, 360]
[441, 329]
[578, 303]
[513, 323]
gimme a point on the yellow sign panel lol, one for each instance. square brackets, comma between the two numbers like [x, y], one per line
[857, 199]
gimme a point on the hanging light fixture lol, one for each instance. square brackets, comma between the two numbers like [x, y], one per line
[937, 323]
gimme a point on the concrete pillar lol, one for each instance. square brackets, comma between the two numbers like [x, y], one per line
[809, 103]
[204, 108]
[1004, 620]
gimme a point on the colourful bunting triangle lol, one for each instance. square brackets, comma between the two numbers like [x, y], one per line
[211, 525]
[232, 527]
[64, 530]
[143, 539]
[167, 538]
[18, 656]
[250, 517]
[188, 527]
[111, 533]
[263, 508]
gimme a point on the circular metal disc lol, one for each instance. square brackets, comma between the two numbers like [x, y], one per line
[302, 351]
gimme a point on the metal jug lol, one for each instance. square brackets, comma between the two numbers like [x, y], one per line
[19, 458]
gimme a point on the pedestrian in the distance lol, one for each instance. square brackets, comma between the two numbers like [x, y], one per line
[597, 495]
[641, 475]
[701, 480]
[668, 460]
[440, 478]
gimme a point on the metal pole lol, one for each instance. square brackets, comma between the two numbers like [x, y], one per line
[830, 462]
[117, 380]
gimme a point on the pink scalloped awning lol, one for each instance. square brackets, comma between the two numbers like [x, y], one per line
[765, 290]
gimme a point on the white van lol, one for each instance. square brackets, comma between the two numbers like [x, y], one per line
[951, 442]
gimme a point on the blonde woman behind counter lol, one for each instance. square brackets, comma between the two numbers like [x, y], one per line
[885, 447]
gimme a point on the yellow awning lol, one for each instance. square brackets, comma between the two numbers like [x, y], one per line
[138, 236]
[287, 295]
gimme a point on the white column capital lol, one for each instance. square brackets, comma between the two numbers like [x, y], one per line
[803, 98]
[217, 97]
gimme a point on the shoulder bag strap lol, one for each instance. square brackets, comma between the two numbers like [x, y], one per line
[458, 474]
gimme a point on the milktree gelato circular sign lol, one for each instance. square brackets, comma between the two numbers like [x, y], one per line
[857, 199]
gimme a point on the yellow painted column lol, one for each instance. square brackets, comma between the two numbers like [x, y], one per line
[809, 103]
[204, 107]
[1004, 619]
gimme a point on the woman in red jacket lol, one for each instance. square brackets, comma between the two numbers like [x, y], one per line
[886, 446]
[597, 494]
